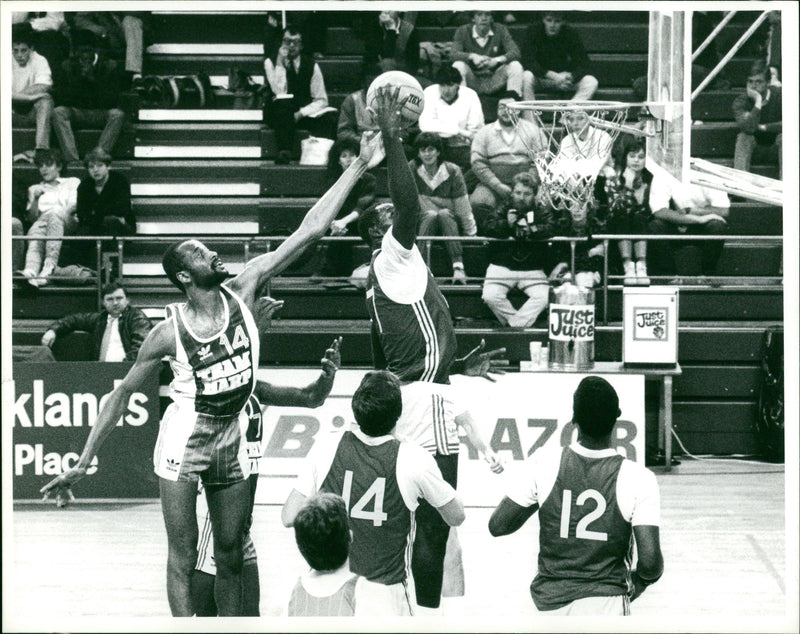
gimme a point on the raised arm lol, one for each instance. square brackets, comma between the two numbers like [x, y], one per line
[402, 186]
[158, 344]
[313, 226]
[313, 394]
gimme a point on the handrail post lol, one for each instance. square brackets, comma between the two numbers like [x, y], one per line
[268, 288]
[120, 259]
[98, 246]
[605, 282]
[572, 246]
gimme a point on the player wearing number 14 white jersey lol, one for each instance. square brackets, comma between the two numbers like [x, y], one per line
[381, 480]
[593, 505]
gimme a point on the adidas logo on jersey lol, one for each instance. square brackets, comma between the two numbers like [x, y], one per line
[205, 351]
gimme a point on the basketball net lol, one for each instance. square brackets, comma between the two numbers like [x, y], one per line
[580, 137]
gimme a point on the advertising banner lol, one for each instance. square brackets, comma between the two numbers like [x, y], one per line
[517, 414]
[54, 408]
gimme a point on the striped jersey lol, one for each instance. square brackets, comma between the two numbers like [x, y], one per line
[589, 501]
[217, 372]
[412, 330]
[429, 416]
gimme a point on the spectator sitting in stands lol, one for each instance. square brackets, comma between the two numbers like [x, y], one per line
[627, 195]
[86, 90]
[486, 56]
[519, 261]
[120, 35]
[51, 33]
[51, 208]
[337, 259]
[323, 535]
[31, 83]
[297, 97]
[500, 151]
[444, 203]
[555, 53]
[453, 112]
[117, 331]
[758, 113]
[391, 43]
[690, 210]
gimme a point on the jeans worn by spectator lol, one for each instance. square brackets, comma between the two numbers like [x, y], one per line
[38, 113]
[65, 117]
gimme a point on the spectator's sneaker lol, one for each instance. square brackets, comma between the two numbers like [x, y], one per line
[459, 276]
[27, 273]
[641, 273]
[24, 157]
[284, 157]
[630, 273]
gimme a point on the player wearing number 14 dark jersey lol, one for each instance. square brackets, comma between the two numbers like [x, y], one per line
[381, 480]
[593, 506]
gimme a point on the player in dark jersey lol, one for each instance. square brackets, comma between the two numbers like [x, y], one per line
[210, 343]
[265, 394]
[593, 506]
[413, 337]
[382, 481]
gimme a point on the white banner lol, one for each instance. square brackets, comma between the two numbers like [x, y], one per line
[516, 415]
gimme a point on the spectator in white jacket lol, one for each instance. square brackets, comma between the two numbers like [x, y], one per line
[453, 112]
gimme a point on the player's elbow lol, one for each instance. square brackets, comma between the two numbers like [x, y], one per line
[453, 512]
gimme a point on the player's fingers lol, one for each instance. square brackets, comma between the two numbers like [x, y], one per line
[489, 378]
[497, 352]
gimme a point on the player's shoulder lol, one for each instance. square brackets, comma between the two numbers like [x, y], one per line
[414, 458]
[637, 473]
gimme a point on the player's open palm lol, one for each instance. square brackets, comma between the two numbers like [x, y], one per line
[386, 108]
[60, 487]
[332, 360]
[371, 149]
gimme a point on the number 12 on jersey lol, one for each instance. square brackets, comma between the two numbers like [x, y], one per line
[582, 529]
[375, 492]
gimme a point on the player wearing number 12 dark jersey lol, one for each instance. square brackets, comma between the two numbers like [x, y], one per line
[593, 506]
[381, 480]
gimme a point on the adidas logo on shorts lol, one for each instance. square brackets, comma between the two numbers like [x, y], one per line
[173, 465]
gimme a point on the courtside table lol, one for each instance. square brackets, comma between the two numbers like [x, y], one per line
[663, 375]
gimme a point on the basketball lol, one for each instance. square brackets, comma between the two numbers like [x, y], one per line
[409, 87]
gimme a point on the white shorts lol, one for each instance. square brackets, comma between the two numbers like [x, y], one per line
[594, 606]
[194, 446]
[377, 599]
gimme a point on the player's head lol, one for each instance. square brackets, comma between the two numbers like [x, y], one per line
[595, 407]
[115, 299]
[449, 80]
[552, 21]
[631, 153]
[322, 532]
[428, 149]
[523, 191]
[22, 42]
[758, 77]
[503, 113]
[191, 263]
[375, 222]
[377, 403]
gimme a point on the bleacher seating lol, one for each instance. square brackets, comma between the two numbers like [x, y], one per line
[211, 173]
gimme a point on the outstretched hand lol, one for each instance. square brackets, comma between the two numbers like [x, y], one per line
[480, 363]
[386, 109]
[371, 148]
[332, 360]
[61, 486]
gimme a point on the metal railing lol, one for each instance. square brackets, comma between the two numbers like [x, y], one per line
[257, 245]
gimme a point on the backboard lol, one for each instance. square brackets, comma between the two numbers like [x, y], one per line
[668, 81]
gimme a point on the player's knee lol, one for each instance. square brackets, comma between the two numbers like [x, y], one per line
[228, 558]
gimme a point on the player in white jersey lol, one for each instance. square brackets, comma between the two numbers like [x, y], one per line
[199, 331]
[593, 506]
[266, 394]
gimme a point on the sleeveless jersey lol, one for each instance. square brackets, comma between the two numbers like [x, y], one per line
[417, 340]
[340, 603]
[255, 432]
[585, 544]
[217, 372]
[379, 517]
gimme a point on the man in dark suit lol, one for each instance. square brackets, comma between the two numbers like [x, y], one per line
[117, 331]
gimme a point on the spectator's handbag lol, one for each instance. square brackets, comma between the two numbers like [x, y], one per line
[432, 56]
[247, 94]
[315, 150]
[183, 92]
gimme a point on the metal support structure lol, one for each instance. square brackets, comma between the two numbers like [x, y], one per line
[713, 34]
[723, 62]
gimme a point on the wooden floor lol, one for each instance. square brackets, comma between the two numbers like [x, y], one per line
[102, 566]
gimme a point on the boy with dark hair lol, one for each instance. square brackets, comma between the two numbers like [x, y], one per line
[31, 84]
[594, 505]
[382, 481]
[323, 536]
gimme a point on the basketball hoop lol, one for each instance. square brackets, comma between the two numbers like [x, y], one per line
[580, 136]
